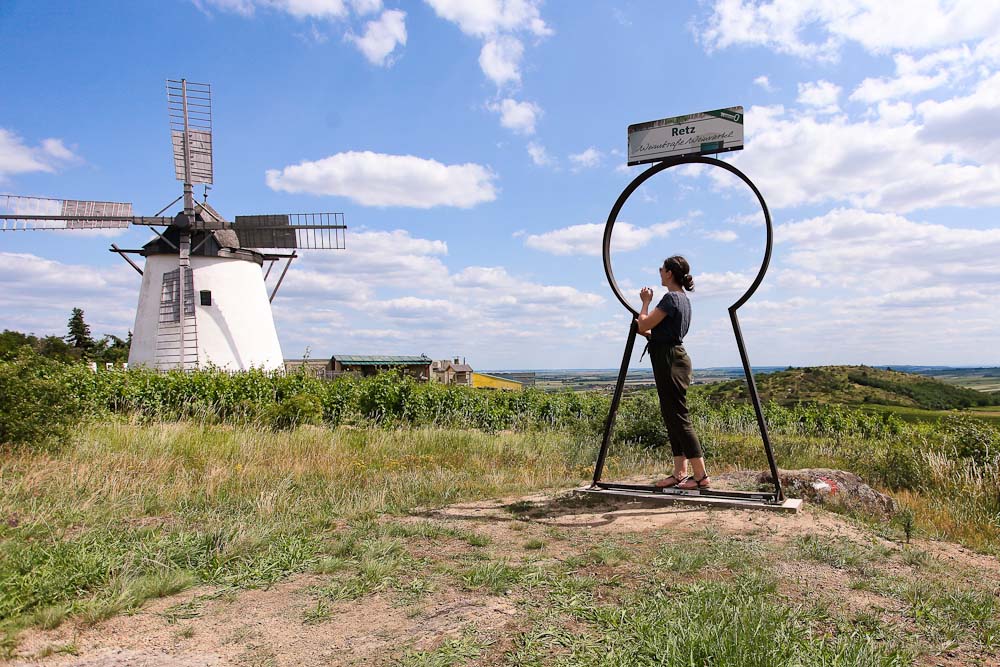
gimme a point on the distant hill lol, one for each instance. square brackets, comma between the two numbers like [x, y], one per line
[854, 385]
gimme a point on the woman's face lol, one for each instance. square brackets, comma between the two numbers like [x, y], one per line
[664, 275]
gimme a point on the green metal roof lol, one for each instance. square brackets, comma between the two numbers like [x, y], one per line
[380, 360]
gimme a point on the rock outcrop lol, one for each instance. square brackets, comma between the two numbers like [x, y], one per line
[826, 486]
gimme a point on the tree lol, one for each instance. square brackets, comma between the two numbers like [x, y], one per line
[12, 341]
[112, 349]
[79, 332]
[54, 347]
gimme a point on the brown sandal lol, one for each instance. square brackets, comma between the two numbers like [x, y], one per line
[691, 483]
[666, 482]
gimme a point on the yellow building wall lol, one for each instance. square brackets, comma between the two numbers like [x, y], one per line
[493, 382]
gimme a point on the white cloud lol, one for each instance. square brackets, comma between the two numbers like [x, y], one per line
[755, 219]
[727, 283]
[724, 236]
[517, 116]
[877, 89]
[869, 164]
[588, 158]
[786, 26]
[41, 293]
[377, 179]
[483, 18]
[894, 113]
[916, 75]
[300, 9]
[16, 157]
[797, 279]
[822, 95]
[586, 239]
[500, 60]
[539, 155]
[416, 308]
[363, 7]
[500, 24]
[390, 283]
[241, 7]
[884, 251]
[56, 149]
[764, 82]
[893, 279]
[960, 124]
[381, 37]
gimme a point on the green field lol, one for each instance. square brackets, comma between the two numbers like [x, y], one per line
[989, 414]
[980, 379]
[163, 483]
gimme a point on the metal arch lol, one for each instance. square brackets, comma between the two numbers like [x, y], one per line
[652, 171]
[633, 330]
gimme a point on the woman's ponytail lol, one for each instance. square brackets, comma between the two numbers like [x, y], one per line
[681, 270]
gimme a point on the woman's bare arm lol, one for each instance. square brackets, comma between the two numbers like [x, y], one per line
[646, 319]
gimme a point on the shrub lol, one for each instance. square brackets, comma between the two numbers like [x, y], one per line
[295, 410]
[38, 406]
[640, 422]
[973, 438]
[899, 465]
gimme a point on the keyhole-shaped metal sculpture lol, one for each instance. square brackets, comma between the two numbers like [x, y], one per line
[777, 496]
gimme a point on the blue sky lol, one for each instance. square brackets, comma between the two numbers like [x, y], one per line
[476, 147]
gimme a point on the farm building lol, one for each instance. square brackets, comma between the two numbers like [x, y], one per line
[452, 371]
[418, 367]
[488, 381]
[321, 368]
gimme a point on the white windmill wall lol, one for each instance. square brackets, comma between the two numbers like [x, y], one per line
[236, 332]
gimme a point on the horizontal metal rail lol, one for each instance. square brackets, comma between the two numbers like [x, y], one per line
[763, 496]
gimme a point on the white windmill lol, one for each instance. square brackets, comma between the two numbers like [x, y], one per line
[203, 300]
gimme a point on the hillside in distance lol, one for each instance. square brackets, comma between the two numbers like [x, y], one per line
[854, 385]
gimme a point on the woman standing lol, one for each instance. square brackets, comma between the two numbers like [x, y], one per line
[666, 327]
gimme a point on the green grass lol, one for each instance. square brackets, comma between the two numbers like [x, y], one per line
[945, 611]
[131, 512]
[739, 623]
[126, 512]
[496, 577]
[840, 552]
[451, 653]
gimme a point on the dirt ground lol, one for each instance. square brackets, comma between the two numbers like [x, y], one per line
[267, 627]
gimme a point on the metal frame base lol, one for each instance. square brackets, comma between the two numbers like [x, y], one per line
[706, 497]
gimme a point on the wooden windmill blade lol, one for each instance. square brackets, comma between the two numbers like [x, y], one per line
[300, 231]
[189, 108]
[19, 213]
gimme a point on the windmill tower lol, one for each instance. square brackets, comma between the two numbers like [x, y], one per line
[203, 300]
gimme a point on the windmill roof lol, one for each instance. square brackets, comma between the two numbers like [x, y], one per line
[208, 213]
[226, 238]
[380, 360]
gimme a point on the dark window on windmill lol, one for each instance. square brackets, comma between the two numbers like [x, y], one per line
[206, 297]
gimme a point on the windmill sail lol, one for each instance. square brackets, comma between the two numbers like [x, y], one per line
[189, 106]
[40, 213]
[310, 231]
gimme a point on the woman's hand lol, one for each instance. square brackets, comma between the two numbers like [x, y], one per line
[646, 295]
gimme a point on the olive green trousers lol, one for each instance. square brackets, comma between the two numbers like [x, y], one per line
[672, 372]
